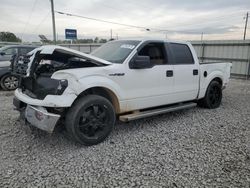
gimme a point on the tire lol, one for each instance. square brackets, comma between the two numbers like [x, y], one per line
[9, 82]
[90, 120]
[212, 97]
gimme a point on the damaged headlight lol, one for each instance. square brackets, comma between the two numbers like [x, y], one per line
[43, 86]
[63, 84]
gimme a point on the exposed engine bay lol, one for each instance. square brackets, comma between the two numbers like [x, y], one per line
[35, 70]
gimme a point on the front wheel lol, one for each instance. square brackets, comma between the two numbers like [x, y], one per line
[90, 120]
[212, 97]
[9, 82]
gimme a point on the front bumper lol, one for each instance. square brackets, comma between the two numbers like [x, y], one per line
[38, 116]
[64, 100]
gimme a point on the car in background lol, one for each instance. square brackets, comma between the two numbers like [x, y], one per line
[7, 80]
[7, 52]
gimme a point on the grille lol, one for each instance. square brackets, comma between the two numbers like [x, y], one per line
[20, 64]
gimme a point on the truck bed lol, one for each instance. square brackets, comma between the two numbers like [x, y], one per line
[209, 69]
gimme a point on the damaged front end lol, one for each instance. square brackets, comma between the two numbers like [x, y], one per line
[36, 68]
[43, 98]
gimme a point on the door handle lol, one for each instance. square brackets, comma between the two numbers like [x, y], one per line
[169, 73]
[195, 72]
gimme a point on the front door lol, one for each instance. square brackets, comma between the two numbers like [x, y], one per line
[150, 86]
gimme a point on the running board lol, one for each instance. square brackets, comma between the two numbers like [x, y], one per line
[138, 115]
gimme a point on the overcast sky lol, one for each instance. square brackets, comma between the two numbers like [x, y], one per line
[179, 19]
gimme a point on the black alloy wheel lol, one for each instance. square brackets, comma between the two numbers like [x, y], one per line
[213, 96]
[90, 120]
[93, 121]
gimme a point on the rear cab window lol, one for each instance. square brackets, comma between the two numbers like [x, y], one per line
[181, 53]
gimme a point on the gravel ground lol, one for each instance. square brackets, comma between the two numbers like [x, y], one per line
[190, 148]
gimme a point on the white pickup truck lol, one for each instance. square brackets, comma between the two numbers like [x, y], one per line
[124, 79]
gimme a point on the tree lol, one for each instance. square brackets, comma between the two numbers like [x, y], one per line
[96, 40]
[9, 37]
[103, 40]
[85, 41]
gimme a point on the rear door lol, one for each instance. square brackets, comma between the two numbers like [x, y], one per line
[186, 72]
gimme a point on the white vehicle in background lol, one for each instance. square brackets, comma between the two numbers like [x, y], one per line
[124, 79]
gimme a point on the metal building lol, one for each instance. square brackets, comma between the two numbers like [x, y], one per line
[235, 51]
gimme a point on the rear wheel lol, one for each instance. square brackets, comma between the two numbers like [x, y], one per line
[9, 82]
[90, 120]
[213, 96]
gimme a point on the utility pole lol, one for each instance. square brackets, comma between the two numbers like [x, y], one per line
[53, 21]
[245, 30]
[111, 34]
[202, 36]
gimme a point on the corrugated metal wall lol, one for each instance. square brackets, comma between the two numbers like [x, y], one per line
[86, 48]
[235, 51]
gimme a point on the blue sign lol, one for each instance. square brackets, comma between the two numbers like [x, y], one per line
[70, 34]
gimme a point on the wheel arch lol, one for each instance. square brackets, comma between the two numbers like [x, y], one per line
[215, 77]
[2, 75]
[218, 79]
[4, 72]
[104, 92]
[206, 101]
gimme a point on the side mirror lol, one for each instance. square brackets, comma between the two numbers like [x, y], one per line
[140, 62]
[2, 53]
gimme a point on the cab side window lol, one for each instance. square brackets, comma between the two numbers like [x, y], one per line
[181, 53]
[156, 52]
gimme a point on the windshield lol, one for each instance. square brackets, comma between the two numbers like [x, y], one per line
[115, 51]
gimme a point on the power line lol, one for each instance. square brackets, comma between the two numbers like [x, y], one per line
[209, 18]
[101, 20]
[116, 23]
[215, 19]
[211, 21]
[28, 20]
[142, 27]
[38, 26]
